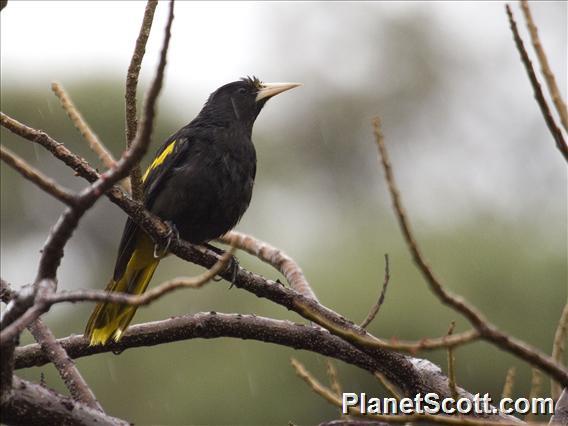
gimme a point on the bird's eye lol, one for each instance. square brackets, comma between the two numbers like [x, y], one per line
[242, 90]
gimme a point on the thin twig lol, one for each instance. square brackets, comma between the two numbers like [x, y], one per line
[386, 384]
[548, 118]
[81, 125]
[509, 383]
[451, 365]
[333, 377]
[130, 95]
[337, 401]
[558, 348]
[274, 257]
[35, 176]
[487, 330]
[375, 308]
[536, 388]
[148, 297]
[88, 134]
[71, 376]
[544, 67]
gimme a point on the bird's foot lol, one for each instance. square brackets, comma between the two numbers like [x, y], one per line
[233, 265]
[173, 234]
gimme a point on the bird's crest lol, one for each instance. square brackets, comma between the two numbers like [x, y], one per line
[253, 81]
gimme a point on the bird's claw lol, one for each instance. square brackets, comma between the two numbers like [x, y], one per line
[232, 265]
[173, 234]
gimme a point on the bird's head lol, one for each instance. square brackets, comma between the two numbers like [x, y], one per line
[242, 100]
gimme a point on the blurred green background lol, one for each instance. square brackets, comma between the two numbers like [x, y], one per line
[483, 184]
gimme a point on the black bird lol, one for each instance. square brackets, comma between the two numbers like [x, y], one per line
[200, 181]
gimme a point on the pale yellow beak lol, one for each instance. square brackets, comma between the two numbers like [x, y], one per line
[267, 90]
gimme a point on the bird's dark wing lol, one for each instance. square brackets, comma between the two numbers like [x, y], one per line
[172, 151]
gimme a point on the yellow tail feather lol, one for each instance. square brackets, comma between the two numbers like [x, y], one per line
[110, 320]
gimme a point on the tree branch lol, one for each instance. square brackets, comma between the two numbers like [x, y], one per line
[35, 176]
[130, 95]
[548, 118]
[375, 308]
[147, 297]
[274, 257]
[37, 405]
[71, 376]
[545, 68]
[401, 370]
[558, 348]
[81, 125]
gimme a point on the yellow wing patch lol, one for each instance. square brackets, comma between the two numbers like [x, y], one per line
[159, 159]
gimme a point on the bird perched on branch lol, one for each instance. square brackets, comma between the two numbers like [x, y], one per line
[200, 181]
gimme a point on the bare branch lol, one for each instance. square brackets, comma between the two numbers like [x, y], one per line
[536, 387]
[211, 325]
[330, 397]
[317, 387]
[412, 376]
[375, 308]
[274, 257]
[58, 150]
[39, 406]
[451, 364]
[333, 377]
[548, 118]
[509, 383]
[386, 384]
[33, 175]
[558, 348]
[487, 330]
[71, 376]
[147, 297]
[544, 67]
[80, 124]
[130, 95]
